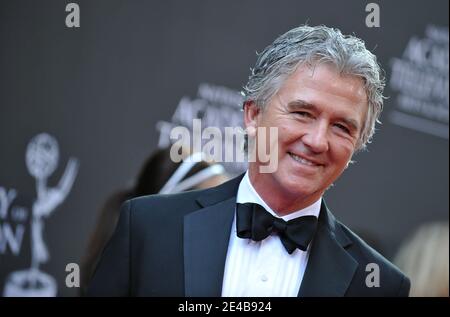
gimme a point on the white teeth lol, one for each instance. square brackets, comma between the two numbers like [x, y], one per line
[301, 160]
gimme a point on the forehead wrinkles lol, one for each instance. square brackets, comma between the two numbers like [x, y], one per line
[327, 81]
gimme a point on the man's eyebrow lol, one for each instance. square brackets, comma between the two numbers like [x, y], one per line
[302, 104]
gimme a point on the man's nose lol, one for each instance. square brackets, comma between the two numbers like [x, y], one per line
[316, 137]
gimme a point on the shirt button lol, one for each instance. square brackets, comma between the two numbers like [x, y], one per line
[264, 278]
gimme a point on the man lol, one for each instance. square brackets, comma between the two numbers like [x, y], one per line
[268, 234]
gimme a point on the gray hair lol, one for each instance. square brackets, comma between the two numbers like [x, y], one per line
[312, 46]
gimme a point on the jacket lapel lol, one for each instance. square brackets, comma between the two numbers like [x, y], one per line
[329, 271]
[206, 236]
[330, 268]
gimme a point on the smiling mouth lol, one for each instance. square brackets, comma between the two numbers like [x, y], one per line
[302, 160]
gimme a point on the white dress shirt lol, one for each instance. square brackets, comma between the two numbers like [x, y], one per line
[263, 268]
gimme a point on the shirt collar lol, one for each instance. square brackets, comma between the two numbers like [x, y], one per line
[247, 194]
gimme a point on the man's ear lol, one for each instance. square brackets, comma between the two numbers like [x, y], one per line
[251, 112]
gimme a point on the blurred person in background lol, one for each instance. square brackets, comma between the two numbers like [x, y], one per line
[424, 257]
[159, 174]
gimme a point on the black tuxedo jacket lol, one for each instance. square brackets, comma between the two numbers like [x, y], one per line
[176, 245]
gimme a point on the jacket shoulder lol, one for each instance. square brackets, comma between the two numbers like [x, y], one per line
[391, 282]
[180, 204]
[159, 211]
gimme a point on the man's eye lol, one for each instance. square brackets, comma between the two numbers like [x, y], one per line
[303, 114]
[343, 128]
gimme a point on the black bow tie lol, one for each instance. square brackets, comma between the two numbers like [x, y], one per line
[254, 222]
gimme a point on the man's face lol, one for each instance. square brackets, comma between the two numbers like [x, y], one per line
[319, 115]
